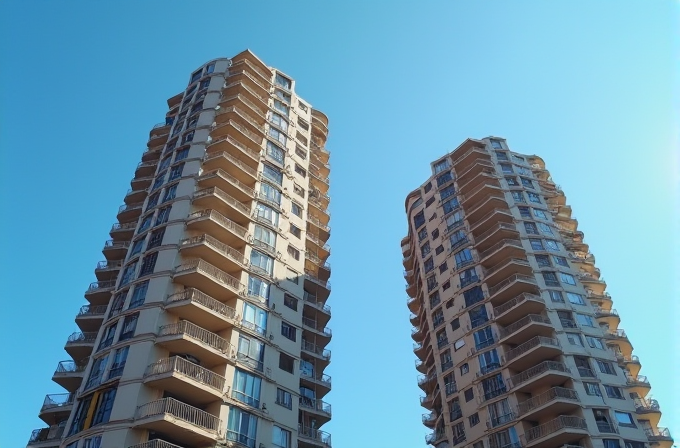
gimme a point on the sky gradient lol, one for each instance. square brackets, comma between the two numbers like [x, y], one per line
[588, 86]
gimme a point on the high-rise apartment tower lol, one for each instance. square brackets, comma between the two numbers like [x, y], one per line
[207, 323]
[516, 338]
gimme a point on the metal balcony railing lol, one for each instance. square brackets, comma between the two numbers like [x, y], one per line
[203, 299]
[193, 331]
[313, 348]
[211, 271]
[530, 344]
[523, 322]
[155, 443]
[188, 369]
[497, 311]
[561, 422]
[311, 433]
[217, 245]
[220, 219]
[231, 140]
[56, 401]
[516, 277]
[181, 411]
[318, 405]
[537, 370]
[546, 397]
[79, 337]
[224, 197]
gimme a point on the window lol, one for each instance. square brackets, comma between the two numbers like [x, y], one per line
[259, 262]
[443, 267]
[441, 166]
[634, 444]
[288, 331]
[286, 363]
[182, 154]
[425, 249]
[592, 389]
[301, 171]
[419, 219]
[428, 265]
[552, 245]
[611, 443]
[455, 411]
[278, 120]
[531, 228]
[463, 258]
[473, 419]
[512, 181]
[542, 261]
[118, 301]
[506, 168]
[454, 220]
[469, 395]
[464, 369]
[293, 252]
[439, 250]
[280, 106]
[614, 392]
[624, 418]
[272, 173]
[575, 339]
[524, 212]
[284, 398]
[442, 339]
[104, 405]
[258, 287]
[156, 238]
[605, 367]
[500, 412]
[483, 338]
[473, 295]
[176, 172]
[146, 223]
[91, 442]
[496, 144]
[163, 215]
[275, 153]
[438, 318]
[447, 192]
[584, 320]
[446, 361]
[278, 135]
[254, 318]
[568, 279]
[536, 244]
[280, 437]
[550, 279]
[128, 273]
[493, 386]
[250, 352]
[468, 277]
[544, 228]
[295, 209]
[517, 159]
[97, 372]
[434, 300]
[533, 197]
[431, 283]
[450, 205]
[478, 316]
[595, 343]
[266, 238]
[119, 362]
[196, 76]
[422, 234]
[170, 193]
[129, 326]
[139, 294]
[446, 285]
[282, 81]
[148, 264]
[527, 182]
[242, 427]
[556, 296]
[246, 388]
[561, 261]
[566, 319]
[160, 179]
[300, 152]
[295, 230]
[458, 433]
[107, 337]
[576, 299]
[540, 214]
[460, 343]
[518, 196]
[444, 178]
[137, 247]
[267, 214]
[455, 324]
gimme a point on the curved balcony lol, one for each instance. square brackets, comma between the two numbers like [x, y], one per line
[411, 289]
[649, 410]
[214, 223]
[532, 351]
[56, 408]
[213, 251]
[418, 333]
[597, 285]
[125, 231]
[322, 355]
[507, 267]
[632, 363]
[609, 317]
[661, 436]
[413, 304]
[247, 78]
[489, 203]
[238, 131]
[185, 380]
[309, 437]
[317, 179]
[619, 339]
[512, 287]
[320, 288]
[499, 252]
[319, 408]
[472, 156]
[194, 305]
[638, 384]
[245, 87]
[135, 196]
[115, 250]
[435, 437]
[189, 338]
[80, 345]
[108, 270]
[526, 328]
[499, 232]
[556, 432]
[316, 327]
[557, 400]
[542, 375]
[482, 191]
[317, 310]
[152, 154]
[430, 419]
[246, 153]
[319, 209]
[69, 374]
[255, 111]
[216, 199]
[232, 165]
[179, 421]
[204, 276]
[99, 293]
[320, 381]
[426, 382]
[145, 169]
[47, 437]
[323, 231]
[141, 183]
[224, 181]
[90, 317]
[318, 246]
[477, 174]
[246, 60]
[423, 367]
[519, 306]
[491, 219]
[158, 137]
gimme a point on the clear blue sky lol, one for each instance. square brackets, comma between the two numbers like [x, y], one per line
[588, 85]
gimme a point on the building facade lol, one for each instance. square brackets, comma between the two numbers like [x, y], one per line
[207, 324]
[515, 335]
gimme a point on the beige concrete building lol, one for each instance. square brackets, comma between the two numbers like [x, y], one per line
[207, 324]
[516, 338]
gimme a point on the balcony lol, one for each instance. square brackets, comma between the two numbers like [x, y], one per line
[661, 436]
[239, 131]
[314, 305]
[141, 183]
[46, 437]
[425, 382]
[310, 379]
[487, 204]
[249, 155]
[80, 345]
[525, 328]
[145, 169]
[115, 250]
[317, 407]
[648, 409]
[482, 191]
[317, 179]
[179, 421]
[254, 84]
[226, 162]
[196, 306]
[90, 317]
[411, 289]
[317, 328]
[610, 317]
[434, 437]
[309, 437]
[501, 420]
[56, 408]
[108, 270]
[255, 111]
[597, 285]
[213, 251]
[413, 304]
[544, 374]
[515, 308]
[155, 443]
[125, 231]
[318, 246]
[632, 363]
[505, 268]
[189, 338]
[202, 275]
[185, 380]
[512, 287]
[157, 137]
[245, 87]
[532, 351]
[133, 197]
[558, 400]
[603, 300]
[256, 67]
[472, 156]
[430, 419]
[317, 351]
[321, 288]
[221, 179]
[499, 252]
[215, 224]
[99, 293]
[69, 374]
[559, 431]
[216, 199]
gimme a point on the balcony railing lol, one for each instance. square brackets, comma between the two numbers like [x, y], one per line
[606, 427]
[211, 271]
[217, 245]
[189, 369]
[656, 434]
[546, 397]
[530, 344]
[645, 405]
[313, 348]
[155, 443]
[323, 379]
[307, 322]
[69, 367]
[46, 434]
[89, 310]
[81, 338]
[311, 433]
[319, 405]
[232, 159]
[220, 219]
[497, 287]
[561, 422]
[537, 370]
[314, 278]
[497, 311]
[235, 143]
[186, 328]
[181, 411]
[240, 206]
[523, 322]
[203, 299]
[56, 401]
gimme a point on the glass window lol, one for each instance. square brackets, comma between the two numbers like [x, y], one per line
[506, 168]
[278, 136]
[129, 326]
[286, 363]
[463, 257]
[176, 172]
[119, 362]
[284, 398]
[447, 192]
[496, 144]
[254, 318]
[568, 279]
[545, 228]
[624, 418]
[536, 244]
[160, 179]
[281, 107]
[104, 405]
[250, 352]
[512, 181]
[280, 437]
[614, 392]
[527, 182]
[156, 238]
[518, 196]
[296, 209]
[595, 343]
[139, 294]
[97, 372]
[107, 337]
[182, 154]
[441, 166]
[275, 153]
[267, 214]
[575, 339]
[128, 273]
[576, 299]
[454, 220]
[152, 201]
[148, 264]
[270, 193]
[288, 331]
[422, 234]
[592, 389]
[533, 197]
[542, 261]
[524, 212]
[242, 427]
[266, 238]
[444, 178]
[261, 262]
[531, 228]
[246, 388]
[556, 296]
[585, 320]
[450, 205]
[272, 173]
[282, 81]
[540, 214]
[146, 223]
[137, 247]
[550, 279]
[278, 120]
[552, 245]
[91, 442]
[258, 287]
[163, 215]
[170, 193]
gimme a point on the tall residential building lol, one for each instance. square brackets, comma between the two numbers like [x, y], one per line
[207, 323]
[516, 338]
